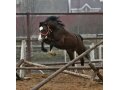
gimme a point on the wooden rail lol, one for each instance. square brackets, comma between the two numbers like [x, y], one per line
[63, 63]
[56, 68]
[18, 39]
[83, 13]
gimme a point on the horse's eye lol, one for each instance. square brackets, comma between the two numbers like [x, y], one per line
[41, 28]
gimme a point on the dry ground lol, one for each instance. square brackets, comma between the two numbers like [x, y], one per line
[61, 82]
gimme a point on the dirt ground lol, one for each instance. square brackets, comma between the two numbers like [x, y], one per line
[61, 82]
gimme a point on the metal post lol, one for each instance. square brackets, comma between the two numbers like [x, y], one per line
[69, 6]
[28, 38]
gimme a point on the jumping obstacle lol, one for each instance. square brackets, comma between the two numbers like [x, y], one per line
[39, 66]
[66, 66]
[44, 67]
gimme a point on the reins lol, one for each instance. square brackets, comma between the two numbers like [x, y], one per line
[48, 31]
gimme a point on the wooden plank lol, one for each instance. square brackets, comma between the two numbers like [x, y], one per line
[77, 74]
[35, 64]
[63, 63]
[96, 70]
[56, 68]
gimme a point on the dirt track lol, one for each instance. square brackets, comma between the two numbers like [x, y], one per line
[61, 82]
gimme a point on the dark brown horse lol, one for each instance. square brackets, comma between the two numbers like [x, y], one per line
[53, 33]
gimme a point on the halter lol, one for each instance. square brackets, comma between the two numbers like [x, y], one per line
[48, 31]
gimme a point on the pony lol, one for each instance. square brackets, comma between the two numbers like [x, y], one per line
[52, 32]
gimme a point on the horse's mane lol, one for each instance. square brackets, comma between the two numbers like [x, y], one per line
[55, 19]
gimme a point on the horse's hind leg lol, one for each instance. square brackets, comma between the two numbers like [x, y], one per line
[71, 55]
[82, 59]
[51, 46]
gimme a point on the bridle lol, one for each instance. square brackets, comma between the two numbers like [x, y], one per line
[48, 31]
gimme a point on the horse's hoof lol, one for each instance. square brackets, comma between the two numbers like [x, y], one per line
[52, 53]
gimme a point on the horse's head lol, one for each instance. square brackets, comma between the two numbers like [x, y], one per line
[44, 30]
[50, 25]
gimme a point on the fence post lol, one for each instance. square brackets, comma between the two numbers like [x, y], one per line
[100, 51]
[28, 38]
[92, 53]
[65, 56]
[75, 55]
[23, 56]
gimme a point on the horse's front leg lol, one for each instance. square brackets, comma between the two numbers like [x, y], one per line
[42, 46]
[51, 52]
[71, 55]
[51, 46]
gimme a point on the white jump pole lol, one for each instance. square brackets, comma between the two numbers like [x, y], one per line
[69, 5]
[75, 55]
[92, 53]
[65, 56]
[23, 56]
[100, 52]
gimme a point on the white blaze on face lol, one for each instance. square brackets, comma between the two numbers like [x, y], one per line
[39, 37]
[41, 28]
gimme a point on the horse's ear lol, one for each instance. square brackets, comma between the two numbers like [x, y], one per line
[51, 25]
[40, 24]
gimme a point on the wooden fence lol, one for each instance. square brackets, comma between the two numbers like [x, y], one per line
[61, 69]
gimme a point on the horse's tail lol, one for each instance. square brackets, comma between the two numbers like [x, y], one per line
[80, 37]
[87, 55]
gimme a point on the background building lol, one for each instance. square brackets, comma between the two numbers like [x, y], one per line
[82, 24]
